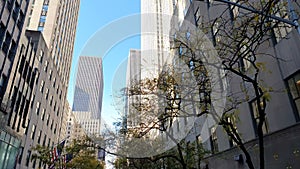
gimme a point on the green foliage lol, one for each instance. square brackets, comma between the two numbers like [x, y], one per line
[83, 151]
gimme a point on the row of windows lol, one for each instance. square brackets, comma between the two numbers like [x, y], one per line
[293, 84]
[43, 16]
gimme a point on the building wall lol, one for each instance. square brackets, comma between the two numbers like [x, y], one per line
[282, 117]
[47, 103]
[133, 77]
[58, 21]
[155, 27]
[74, 128]
[90, 125]
[89, 86]
[12, 20]
[33, 78]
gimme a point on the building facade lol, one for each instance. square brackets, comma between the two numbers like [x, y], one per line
[57, 20]
[133, 77]
[155, 40]
[74, 129]
[12, 20]
[281, 128]
[33, 83]
[90, 125]
[89, 86]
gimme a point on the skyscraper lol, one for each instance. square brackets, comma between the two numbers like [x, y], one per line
[12, 19]
[89, 86]
[155, 43]
[133, 77]
[57, 20]
[34, 79]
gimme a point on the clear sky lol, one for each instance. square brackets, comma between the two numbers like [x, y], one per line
[95, 16]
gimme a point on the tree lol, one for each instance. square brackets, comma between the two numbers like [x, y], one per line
[81, 153]
[184, 155]
[240, 38]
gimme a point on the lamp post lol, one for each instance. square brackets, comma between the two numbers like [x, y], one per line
[293, 14]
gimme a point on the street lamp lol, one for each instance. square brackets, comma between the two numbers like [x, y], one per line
[294, 16]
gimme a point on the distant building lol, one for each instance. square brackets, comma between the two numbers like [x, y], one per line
[133, 77]
[74, 129]
[89, 86]
[89, 124]
[155, 39]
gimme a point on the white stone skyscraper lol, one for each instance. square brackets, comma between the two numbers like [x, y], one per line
[155, 30]
[57, 20]
[133, 77]
[89, 86]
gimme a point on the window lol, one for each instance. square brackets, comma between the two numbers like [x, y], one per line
[39, 136]
[43, 19]
[12, 50]
[42, 86]
[34, 163]
[21, 20]
[51, 125]
[3, 82]
[281, 29]
[41, 24]
[44, 141]
[46, 93]
[28, 158]
[26, 130]
[37, 110]
[197, 17]
[54, 81]
[55, 128]
[49, 141]
[41, 56]
[54, 107]
[6, 44]
[16, 11]
[50, 74]
[46, 66]
[32, 132]
[293, 83]
[47, 119]
[40, 28]
[2, 32]
[20, 154]
[255, 116]
[213, 140]
[51, 100]
[232, 120]
[46, 2]
[43, 114]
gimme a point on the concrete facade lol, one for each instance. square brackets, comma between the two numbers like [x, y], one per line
[33, 82]
[12, 125]
[155, 40]
[282, 112]
[133, 76]
[90, 125]
[57, 20]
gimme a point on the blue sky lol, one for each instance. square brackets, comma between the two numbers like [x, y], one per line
[94, 17]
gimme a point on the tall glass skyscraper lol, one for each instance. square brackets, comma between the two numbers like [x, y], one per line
[89, 86]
